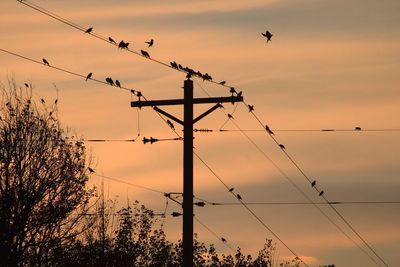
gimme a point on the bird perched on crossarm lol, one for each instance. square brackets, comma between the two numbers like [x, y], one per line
[170, 124]
[267, 35]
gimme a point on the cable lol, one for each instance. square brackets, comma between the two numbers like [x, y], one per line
[107, 40]
[248, 209]
[313, 130]
[302, 203]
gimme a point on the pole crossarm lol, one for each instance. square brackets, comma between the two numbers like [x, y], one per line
[171, 102]
[166, 114]
[207, 112]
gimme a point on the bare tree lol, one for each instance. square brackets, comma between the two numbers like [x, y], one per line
[43, 180]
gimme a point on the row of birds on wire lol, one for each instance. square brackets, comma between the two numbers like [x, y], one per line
[190, 72]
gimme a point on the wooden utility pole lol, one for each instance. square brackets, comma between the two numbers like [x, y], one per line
[188, 101]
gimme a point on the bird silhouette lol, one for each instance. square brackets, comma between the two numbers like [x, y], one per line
[174, 64]
[231, 189]
[111, 40]
[45, 62]
[268, 35]
[313, 183]
[150, 43]
[321, 193]
[56, 101]
[170, 124]
[123, 45]
[118, 83]
[230, 116]
[89, 76]
[223, 239]
[357, 128]
[207, 77]
[281, 146]
[42, 100]
[269, 130]
[251, 108]
[89, 30]
[239, 197]
[110, 81]
[90, 170]
[145, 53]
[26, 85]
[222, 82]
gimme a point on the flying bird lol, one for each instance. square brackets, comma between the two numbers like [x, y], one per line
[313, 183]
[268, 35]
[150, 43]
[111, 40]
[89, 30]
[89, 76]
[145, 53]
[45, 62]
[118, 83]
[170, 124]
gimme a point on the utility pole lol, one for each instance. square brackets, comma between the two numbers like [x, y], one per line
[188, 101]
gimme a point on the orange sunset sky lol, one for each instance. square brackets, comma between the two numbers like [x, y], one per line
[330, 65]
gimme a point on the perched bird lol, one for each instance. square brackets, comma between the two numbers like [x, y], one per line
[223, 239]
[251, 108]
[145, 53]
[313, 183]
[357, 128]
[207, 77]
[281, 146]
[222, 82]
[89, 30]
[42, 100]
[231, 189]
[239, 197]
[45, 62]
[90, 170]
[174, 64]
[321, 193]
[56, 101]
[26, 85]
[111, 40]
[170, 124]
[269, 130]
[118, 83]
[89, 76]
[110, 81]
[150, 43]
[230, 116]
[123, 45]
[268, 35]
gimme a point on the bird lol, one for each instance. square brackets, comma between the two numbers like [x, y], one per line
[251, 108]
[45, 62]
[170, 124]
[313, 183]
[269, 130]
[150, 43]
[42, 100]
[118, 83]
[123, 45]
[222, 82]
[230, 116]
[321, 193]
[223, 239]
[90, 170]
[56, 101]
[145, 53]
[268, 35]
[26, 85]
[89, 76]
[239, 197]
[89, 30]
[110, 81]
[357, 129]
[111, 40]
[231, 189]
[174, 64]
[281, 146]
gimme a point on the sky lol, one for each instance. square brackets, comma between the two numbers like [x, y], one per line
[330, 65]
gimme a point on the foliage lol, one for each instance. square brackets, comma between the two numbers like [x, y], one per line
[43, 178]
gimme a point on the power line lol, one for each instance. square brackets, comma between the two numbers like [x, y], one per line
[304, 203]
[312, 130]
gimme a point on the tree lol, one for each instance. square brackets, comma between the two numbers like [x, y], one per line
[43, 180]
